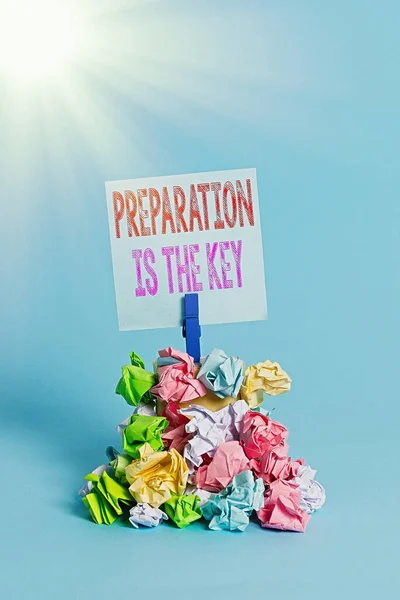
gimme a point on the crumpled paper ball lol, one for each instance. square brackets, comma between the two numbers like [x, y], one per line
[176, 381]
[222, 374]
[266, 377]
[228, 461]
[155, 476]
[146, 515]
[183, 510]
[106, 498]
[260, 434]
[135, 382]
[311, 491]
[141, 429]
[276, 464]
[231, 508]
[281, 508]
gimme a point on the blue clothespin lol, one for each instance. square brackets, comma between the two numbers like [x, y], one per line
[191, 327]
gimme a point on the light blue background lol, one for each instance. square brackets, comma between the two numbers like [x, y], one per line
[306, 92]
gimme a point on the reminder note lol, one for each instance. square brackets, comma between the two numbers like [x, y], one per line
[187, 233]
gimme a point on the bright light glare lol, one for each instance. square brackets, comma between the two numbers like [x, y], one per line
[36, 37]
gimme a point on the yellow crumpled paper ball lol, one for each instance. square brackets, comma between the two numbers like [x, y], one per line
[155, 476]
[266, 377]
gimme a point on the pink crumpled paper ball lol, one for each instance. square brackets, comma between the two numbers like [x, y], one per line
[176, 381]
[281, 508]
[260, 434]
[228, 461]
[276, 464]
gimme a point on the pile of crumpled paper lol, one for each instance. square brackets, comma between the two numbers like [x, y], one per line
[199, 445]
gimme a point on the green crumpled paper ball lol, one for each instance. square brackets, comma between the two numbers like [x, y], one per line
[183, 510]
[136, 382]
[143, 429]
[106, 500]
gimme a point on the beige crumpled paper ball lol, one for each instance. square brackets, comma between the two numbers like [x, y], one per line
[266, 377]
